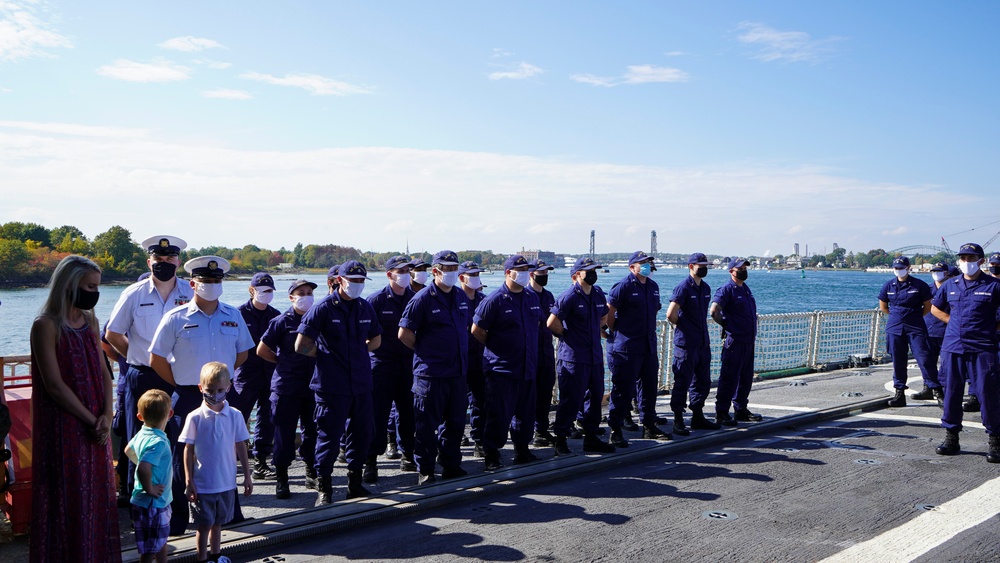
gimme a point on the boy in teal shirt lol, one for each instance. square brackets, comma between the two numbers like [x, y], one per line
[149, 449]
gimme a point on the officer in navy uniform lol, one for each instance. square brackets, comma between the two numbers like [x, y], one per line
[339, 332]
[392, 369]
[252, 380]
[506, 323]
[545, 374]
[935, 331]
[688, 312]
[905, 300]
[577, 319]
[468, 277]
[332, 280]
[969, 304]
[292, 401]
[735, 309]
[133, 323]
[188, 337]
[435, 326]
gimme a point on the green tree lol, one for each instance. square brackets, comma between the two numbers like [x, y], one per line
[116, 252]
[59, 234]
[14, 256]
[25, 232]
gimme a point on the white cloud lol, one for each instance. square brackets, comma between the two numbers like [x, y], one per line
[227, 94]
[215, 65]
[523, 70]
[190, 44]
[313, 83]
[75, 130]
[5, 90]
[788, 46]
[794, 229]
[674, 54]
[632, 229]
[500, 53]
[159, 70]
[635, 74]
[23, 35]
[896, 232]
[544, 228]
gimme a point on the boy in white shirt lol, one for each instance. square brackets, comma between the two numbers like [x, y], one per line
[213, 433]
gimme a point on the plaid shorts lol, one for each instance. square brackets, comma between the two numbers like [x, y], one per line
[152, 526]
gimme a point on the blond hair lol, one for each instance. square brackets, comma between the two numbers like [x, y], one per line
[154, 406]
[214, 372]
[64, 286]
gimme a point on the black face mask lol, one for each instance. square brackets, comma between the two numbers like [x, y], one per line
[163, 271]
[590, 277]
[541, 280]
[995, 270]
[701, 271]
[741, 275]
[86, 300]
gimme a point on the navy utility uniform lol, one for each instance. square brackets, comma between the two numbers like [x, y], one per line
[545, 372]
[252, 381]
[579, 360]
[692, 349]
[905, 329]
[738, 307]
[475, 377]
[633, 349]
[392, 373]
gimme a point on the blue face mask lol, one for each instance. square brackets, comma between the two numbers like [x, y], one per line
[645, 269]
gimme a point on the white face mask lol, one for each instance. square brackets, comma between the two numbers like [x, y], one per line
[420, 277]
[303, 303]
[901, 272]
[262, 296]
[968, 268]
[353, 289]
[449, 279]
[401, 280]
[208, 291]
[938, 276]
[473, 282]
[522, 278]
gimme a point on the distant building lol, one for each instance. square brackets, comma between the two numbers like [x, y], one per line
[532, 255]
[796, 253]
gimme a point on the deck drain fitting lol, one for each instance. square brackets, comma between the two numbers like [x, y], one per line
[797, 384]
[927, 507]
[719, 515]
[787, 450]
[867, 462]
[851, 394]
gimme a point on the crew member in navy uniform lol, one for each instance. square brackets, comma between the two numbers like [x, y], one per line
[688, 312]
[734, 308]
[339, 332]
[632, 307]
[506, 323]
[133, 323]
[332, 280]
[392, 369]
[969, 304]
[905, 300]
[188, 337]
[545, 374]
[935, 335]
[418, 274]
[435, 326]
[292, 401]
[252, 382]
[577, 319]
[468, 277]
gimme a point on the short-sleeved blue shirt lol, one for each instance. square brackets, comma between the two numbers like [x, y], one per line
[389, 308]
[935, 326]
[189, 339]
[692, 299]
[546, 351]
[635, 320]
[739, 309]
[341, 329]
[581, 317]
[906, 304]
[973, 306]
[294, 371]
[511, 322]
[440, 322]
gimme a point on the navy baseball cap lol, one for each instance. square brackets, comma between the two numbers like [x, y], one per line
[737, 263]
[514, 261]
[262, 279]
[397, 262]
[995, 258]
[445, 258]
[353, 269]
[333, 271]
[698, 258]
[940, 267]
[971, 248]
[299, 283]
[539, 265]
[954, 271]
[584, 264]
[469, 267]
[418, 263]
[901, 262]
[638, 257]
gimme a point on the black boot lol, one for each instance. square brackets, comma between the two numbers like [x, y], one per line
[544, 439]
[493, 462]
[628, 423]
[261, 470]
[993, 456]
[406, 464]
[325, 490]
[899, 400]
[281, 487]
[744, 415]
[591, 443]
[560, 446]
[618, 440]
[939, 396]
[924, 394]
[699, 422]
[354, 487]
[523, 455]
[312, 482]
[392, 450]
[972, 405]
[950, 445]
[725, 419]
[370, 472]
[651, 432]
[679, 427]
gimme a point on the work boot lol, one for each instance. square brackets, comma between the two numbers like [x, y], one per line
[354, 487]
[261, 470]
[425, 478]
[950, 445]
[651, 432]
[699, 422]
[628, 423]
[924, 394]
[453, 472]
[342, 456]
[899, 400]
[993, 456]
[311, 481]
[406, 464]
[724, 419]
[679, 427]
[477, 450]
[543, 439]
[560, 446]
[392, 450]
[744, 415]
[465, 441]
[591, 443]
[370, 472]
[939, 396]
[971, 405]
[493, 462]
[523, 455]
[617, 440]
[281, 486]
[326, 490]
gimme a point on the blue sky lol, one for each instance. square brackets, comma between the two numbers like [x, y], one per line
[728, 127]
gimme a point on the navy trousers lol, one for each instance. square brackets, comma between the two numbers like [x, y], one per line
[138, 380]
[439, 402]
[510, 408]
[899, 345]
[342, 416]
[545, 381]
[631, 374]
[286, 413]
[576, 379]
[476, 381]
[735, 375]
[247, 392]
[982, 369]
[691, 367]
[392, 384]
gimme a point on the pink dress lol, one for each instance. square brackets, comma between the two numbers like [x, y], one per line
[74, 514]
